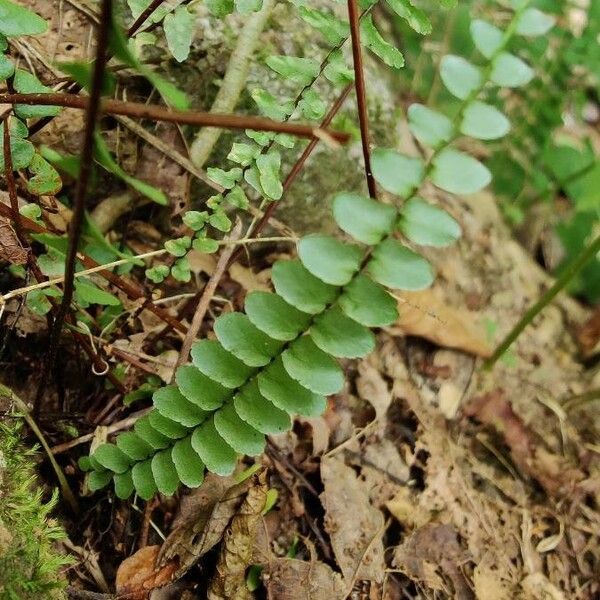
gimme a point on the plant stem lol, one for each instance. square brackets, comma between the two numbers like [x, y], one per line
[159, 113]
[568, 274]
[143, 16]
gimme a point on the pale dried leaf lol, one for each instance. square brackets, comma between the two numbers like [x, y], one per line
[10, 247]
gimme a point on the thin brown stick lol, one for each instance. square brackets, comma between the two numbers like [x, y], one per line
[207, 294]
[361, 94]
[143, 16]
[75, 226]
[153, 112]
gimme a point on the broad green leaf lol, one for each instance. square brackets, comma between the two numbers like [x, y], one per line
[341, 336]
[510, 71]
[205, 245]
[200, 389]
[243, 154]
[167, 427]
[337, 71]
[143, 480]
[219, 220]
[111, 458]
[21, 150]
[181, 270]
[430, 127]
[7, 67]
[226, 179]
[373, 40]
[399, 267]
[298, 287]
[312, 106]
[245, 7]
[270, 107]
[45, 181]
[273, 315]
[287, 394]
[259, 412]
[534, 22]
[460, 77]
[215, 453]
[244, 340]
[133, 445]
[219, 8]
[268, 166]
[459, 173]
[397, 173]
[99, 479]
[105, 159]
[123, 485]
[243, 438]
[262, 138]
[293, 68]
[26, 83]
[179, 32]
[333, 29]
[171, 403]
[195, 219]
[188, 464]
[218, 364]
[158, 273]
[428, 225]
[164, 472]
[153, 438]
[87, 293]
[312, 368]
[367, 303]
[237, 198]
[486, 37]
[484, 122]
[329, 259]
[16, 20]
[414, 16]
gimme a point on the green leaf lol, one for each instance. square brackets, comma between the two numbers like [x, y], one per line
[195, 219]
[293, 68]
[341, 336]
[312, 368]
[329, 259]
[83, 74]
[218, 364]
[181, 270]
[7, 67]
[242, 153]
[259, 412]
[397, 173]
[219, 220]
[219, 8]
[484, 122]
[158, 273]
[337, 71]
[189, 466]
[87, 293]
[38, 303]
[105, 159]
[287, 394]
[486, 37]
[311, 105]
[215, 453]
[111, 458]
[178, 246]
[414, 16]
[200, 389]
[460, 77]
[31, 211]
[431, 128]
[21, 150]
[149, 435]
[268, 166]
[239, 336]
[298, 287]
[171, 403]
[238, 434]
[367, 303]
[205, 245]
[16, 20]
[98, 480]
[179, 32]
[396, 266]
[165, 426]
[164, 472]
[533, 22]
[133, 445]
[270, 106]
[273, 315]
[428, 225]
[26, 83]
[364, 219]
[459, 173]
[45, 181]
[143, 480]
[123, 485]
[245, 7]
[510, 71]
[226, 179]
[373, 40]
[334, 30]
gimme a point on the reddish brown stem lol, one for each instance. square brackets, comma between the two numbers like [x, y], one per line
[139, 110]
[143, 16]
[361, 94]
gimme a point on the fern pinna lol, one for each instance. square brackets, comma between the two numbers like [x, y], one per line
[279, 358]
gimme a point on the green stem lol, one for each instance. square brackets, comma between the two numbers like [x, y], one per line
[568, 274]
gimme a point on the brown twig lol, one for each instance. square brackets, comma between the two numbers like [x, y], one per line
[207, 294]
[75, 226]
[143, 16]
[361, 94]
[153, 112]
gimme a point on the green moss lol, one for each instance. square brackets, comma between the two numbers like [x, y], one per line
[30, 567]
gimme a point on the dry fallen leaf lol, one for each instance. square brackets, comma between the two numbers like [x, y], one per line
[10, 247]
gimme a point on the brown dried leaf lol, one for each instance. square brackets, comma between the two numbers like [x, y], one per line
[354, 525]
[588, 335]
[10, 246]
